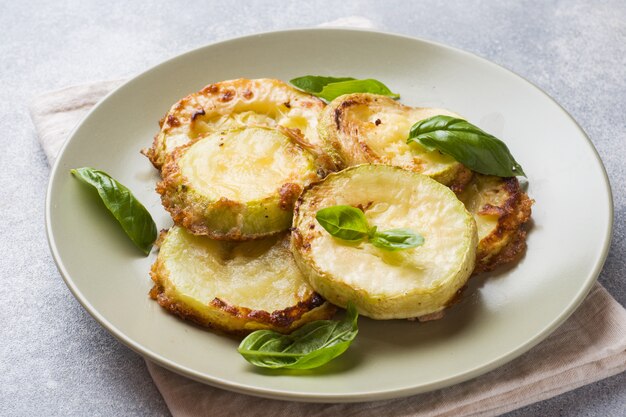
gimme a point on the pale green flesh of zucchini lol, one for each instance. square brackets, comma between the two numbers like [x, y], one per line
[244, 164]
[388, 139]
[415, 282]
[259, 275]
[416, 206]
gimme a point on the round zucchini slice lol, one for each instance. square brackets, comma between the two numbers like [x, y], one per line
[367, 128]
[501, 209]
[234, 287]
[236, 185]
[232, 104]
[413, 283]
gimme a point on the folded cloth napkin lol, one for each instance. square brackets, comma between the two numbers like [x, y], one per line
[589, 346]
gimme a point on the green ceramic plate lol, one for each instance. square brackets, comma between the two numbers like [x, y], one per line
[500, 317]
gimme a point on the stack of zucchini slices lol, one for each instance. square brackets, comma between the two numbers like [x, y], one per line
[244, 162]
[234, 158]
[372, 129]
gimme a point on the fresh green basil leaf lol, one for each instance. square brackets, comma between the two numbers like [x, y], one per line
[468, 144]
[349, 223]
[334, 90]
[343, 222]
[129, 212]
[315, 83]
[312, 345]
[396, 239]
[329, 88]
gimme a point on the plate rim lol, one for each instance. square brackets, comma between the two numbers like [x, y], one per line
[377, 394]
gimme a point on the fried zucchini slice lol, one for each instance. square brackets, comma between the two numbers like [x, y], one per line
[232, 104]
[238, 185]
[501, 210]
[234, 287]
[366, 128]
[410, 283]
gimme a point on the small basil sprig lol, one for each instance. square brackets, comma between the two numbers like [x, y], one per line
[312, 345]
[127, 210]
[344, 222]
[468, 144]
[315, 83]
[395, 239]
[329, 88]
[349, 223]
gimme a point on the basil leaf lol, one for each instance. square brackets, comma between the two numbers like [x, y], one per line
[396, 239]
[129, 212]
[316, 83]
[329, 88]
[343, 222]
[334, 90]
[349, 223]
[468, 144]
[312, 345]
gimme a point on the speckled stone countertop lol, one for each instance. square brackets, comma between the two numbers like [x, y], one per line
[54, 358]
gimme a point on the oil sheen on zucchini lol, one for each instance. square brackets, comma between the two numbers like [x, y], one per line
[234, 287]
[366, 128]
[238, 184]
[416, 282]
[234, 104]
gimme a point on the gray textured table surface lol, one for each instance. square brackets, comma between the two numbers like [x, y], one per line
[54, 358]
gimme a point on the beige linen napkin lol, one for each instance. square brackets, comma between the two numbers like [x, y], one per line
[589, 346]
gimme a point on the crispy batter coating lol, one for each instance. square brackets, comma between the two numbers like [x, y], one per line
[372, 129]
[501, 210]
[232, 104]
[227, 211]
[212, 310]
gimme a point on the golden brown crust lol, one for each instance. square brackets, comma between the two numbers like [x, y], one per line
[360, 152]
[280, 318]
[461, 179]
[237, 320]
[288, 195]
[191, 116]
[225, 219]
[283, 321]
[150, 152]
[348, 122]
[506, 242]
